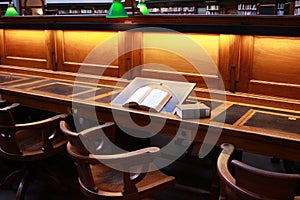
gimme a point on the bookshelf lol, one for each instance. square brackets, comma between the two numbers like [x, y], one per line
[280, 7]
[3, 7]
[213, 8]
[76, 7]
[297, 8]
[173, 10]
[174, 6]
[205, 7]
[249, 8]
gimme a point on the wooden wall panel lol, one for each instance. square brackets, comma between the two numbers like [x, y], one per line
[229, 55]
[275, 70]
[196, 60]
[93, 49]
[263, 65]
[26, 48]
[130, 54]
[245, 63]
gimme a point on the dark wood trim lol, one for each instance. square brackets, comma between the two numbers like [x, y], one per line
[219, 24]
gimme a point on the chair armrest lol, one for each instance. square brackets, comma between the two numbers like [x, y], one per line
[128, 159]
[222, 164]
[49, 129]
[8, 107]
[90, 132]
[41, 123]
[227, 178]
[3, 103]
[140, 156]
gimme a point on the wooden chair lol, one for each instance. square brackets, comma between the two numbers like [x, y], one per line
[99, 181]
[29, 143]
[250, 183]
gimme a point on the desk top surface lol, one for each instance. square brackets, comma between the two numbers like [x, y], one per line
[236, 114]
[281, 125]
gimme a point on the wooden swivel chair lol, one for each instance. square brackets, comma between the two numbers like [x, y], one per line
[28, 143]
[97, 180]
[250, 183]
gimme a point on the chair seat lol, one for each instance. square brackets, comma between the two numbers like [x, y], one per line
[107, 179]
[32, 141]
[110, 183]
[31, 145]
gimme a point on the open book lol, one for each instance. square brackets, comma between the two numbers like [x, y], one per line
[137, 94]
[148, 98]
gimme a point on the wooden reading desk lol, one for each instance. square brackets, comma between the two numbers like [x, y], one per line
[252, 128]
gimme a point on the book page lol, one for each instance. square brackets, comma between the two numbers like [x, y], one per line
[139, 95]
[156, 99]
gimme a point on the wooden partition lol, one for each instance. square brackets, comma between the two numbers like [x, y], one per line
[28, 48]
[275, 67]
[256, 64]
[191, 57]
[89, 51]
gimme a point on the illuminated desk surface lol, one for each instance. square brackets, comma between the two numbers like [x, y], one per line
[257, 129]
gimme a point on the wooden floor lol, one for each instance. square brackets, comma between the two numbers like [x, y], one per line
[193, 176]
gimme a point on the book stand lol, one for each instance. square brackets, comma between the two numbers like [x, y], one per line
[179, 91]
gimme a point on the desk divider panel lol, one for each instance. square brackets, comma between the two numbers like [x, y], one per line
[27, 48]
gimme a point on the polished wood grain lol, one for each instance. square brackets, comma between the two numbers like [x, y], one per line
[76, 47]
[274, 69]
[246, 138]
[15, 49]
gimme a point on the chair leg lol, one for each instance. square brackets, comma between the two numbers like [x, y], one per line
[23, 186]
[11, 178]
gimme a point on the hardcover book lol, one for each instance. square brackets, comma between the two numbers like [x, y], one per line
[193, 111]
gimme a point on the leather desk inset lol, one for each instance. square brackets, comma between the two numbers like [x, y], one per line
[275, 122]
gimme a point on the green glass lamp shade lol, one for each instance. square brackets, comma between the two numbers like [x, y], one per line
[116, 10]
[11, 11]
[143, 8]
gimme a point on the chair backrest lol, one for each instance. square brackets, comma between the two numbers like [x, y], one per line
[247, 182]
[8, 114]
[41, 133]
[82, 144]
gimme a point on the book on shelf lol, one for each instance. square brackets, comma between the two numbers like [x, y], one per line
[193, 110]
[148, 98]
